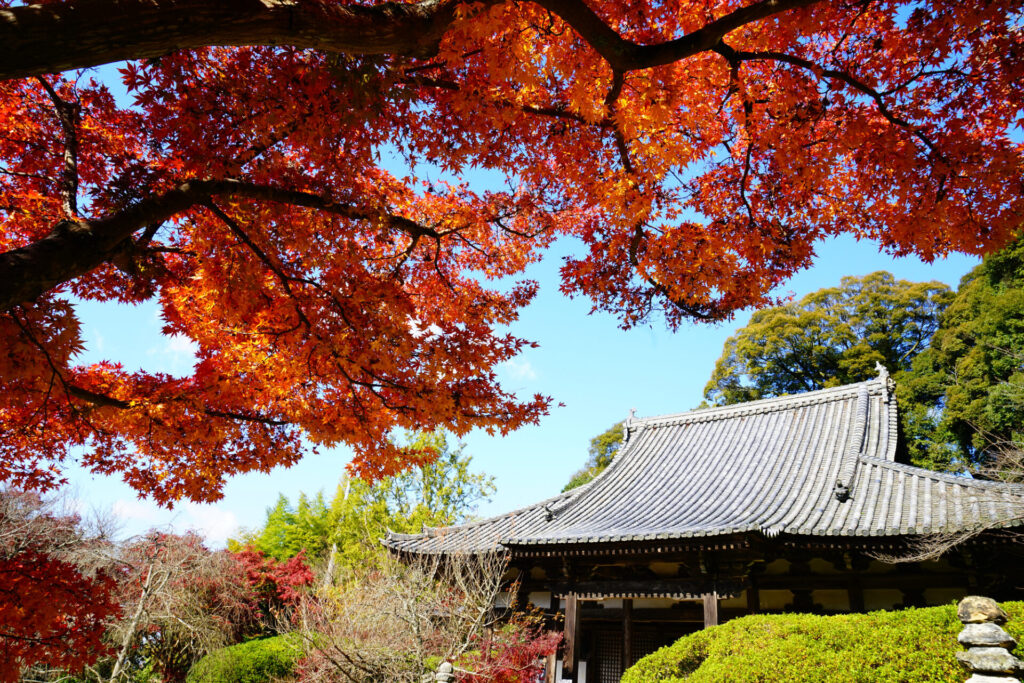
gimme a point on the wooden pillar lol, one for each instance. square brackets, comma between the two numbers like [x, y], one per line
[549, 668]
[627, 633]
[753, 597]
[856, 594]
[571, 652]
[710, 609]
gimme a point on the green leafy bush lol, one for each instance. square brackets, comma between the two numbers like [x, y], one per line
[257, 661]
[909, 646]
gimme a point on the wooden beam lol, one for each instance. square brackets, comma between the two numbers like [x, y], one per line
[637, 587]
[627, 633]
[549, 668]
[570, 653]
[710, 609]
[842, 581]
[689, 614]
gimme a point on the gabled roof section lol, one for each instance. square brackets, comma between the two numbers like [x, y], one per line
[814, 464]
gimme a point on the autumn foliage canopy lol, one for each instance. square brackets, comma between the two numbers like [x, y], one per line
[263, 184]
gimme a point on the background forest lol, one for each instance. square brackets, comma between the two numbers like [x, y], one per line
[309, 595]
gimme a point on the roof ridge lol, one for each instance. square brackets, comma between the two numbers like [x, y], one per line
[944, 476]
[761, 406]
[854, 447]
[487, 520]
[616, 463]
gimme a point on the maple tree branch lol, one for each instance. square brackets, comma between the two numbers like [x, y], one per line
[23, 174]
[111, 402]
[625, 55]
[38, 39]
[57, 373]
[765, 55]
[76, 246]
[285, 279]
[68, 113]
[556, 111]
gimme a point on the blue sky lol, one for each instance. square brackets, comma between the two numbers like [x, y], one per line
[585, 361]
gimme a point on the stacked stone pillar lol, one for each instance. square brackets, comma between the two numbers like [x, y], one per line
[988, 656]
[445, 673]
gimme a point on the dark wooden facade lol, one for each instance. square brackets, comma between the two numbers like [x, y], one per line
[616, 608]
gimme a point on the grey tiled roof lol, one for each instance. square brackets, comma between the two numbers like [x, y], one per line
[776, 466]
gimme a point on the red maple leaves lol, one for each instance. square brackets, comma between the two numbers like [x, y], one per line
[265, 196]
[52, 611]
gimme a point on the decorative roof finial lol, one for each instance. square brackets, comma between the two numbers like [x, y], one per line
[549, 514]
[883, 373]
[626, 424]
[885, 379]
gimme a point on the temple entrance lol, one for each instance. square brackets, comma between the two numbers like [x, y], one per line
[607, 660]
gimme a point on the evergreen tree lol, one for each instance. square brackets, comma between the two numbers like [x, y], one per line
[835, 336]
[831, 337]
[971, 378]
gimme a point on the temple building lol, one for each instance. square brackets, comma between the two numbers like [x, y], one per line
[790, 504]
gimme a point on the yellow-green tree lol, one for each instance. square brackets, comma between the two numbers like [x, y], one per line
[602, 449]
[346, 531]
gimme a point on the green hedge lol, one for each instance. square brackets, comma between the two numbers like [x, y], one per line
[257, 661]
[909, 646]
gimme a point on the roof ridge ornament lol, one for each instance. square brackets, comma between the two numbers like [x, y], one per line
[854, 447]
[627, 424]
[883, 372]
[886, 379]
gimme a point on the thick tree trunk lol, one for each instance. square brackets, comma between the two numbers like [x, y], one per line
[37, 39]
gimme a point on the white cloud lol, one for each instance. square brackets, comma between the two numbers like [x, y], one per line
[178, 353]
[212, 521]
[518, 369]
[99, 343]
[136, 511]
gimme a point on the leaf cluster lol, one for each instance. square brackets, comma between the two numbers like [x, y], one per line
[695, 153]
[255, 661]
[55, 602]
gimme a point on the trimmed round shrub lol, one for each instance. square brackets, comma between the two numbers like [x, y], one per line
[257, 661]
[908, 646]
